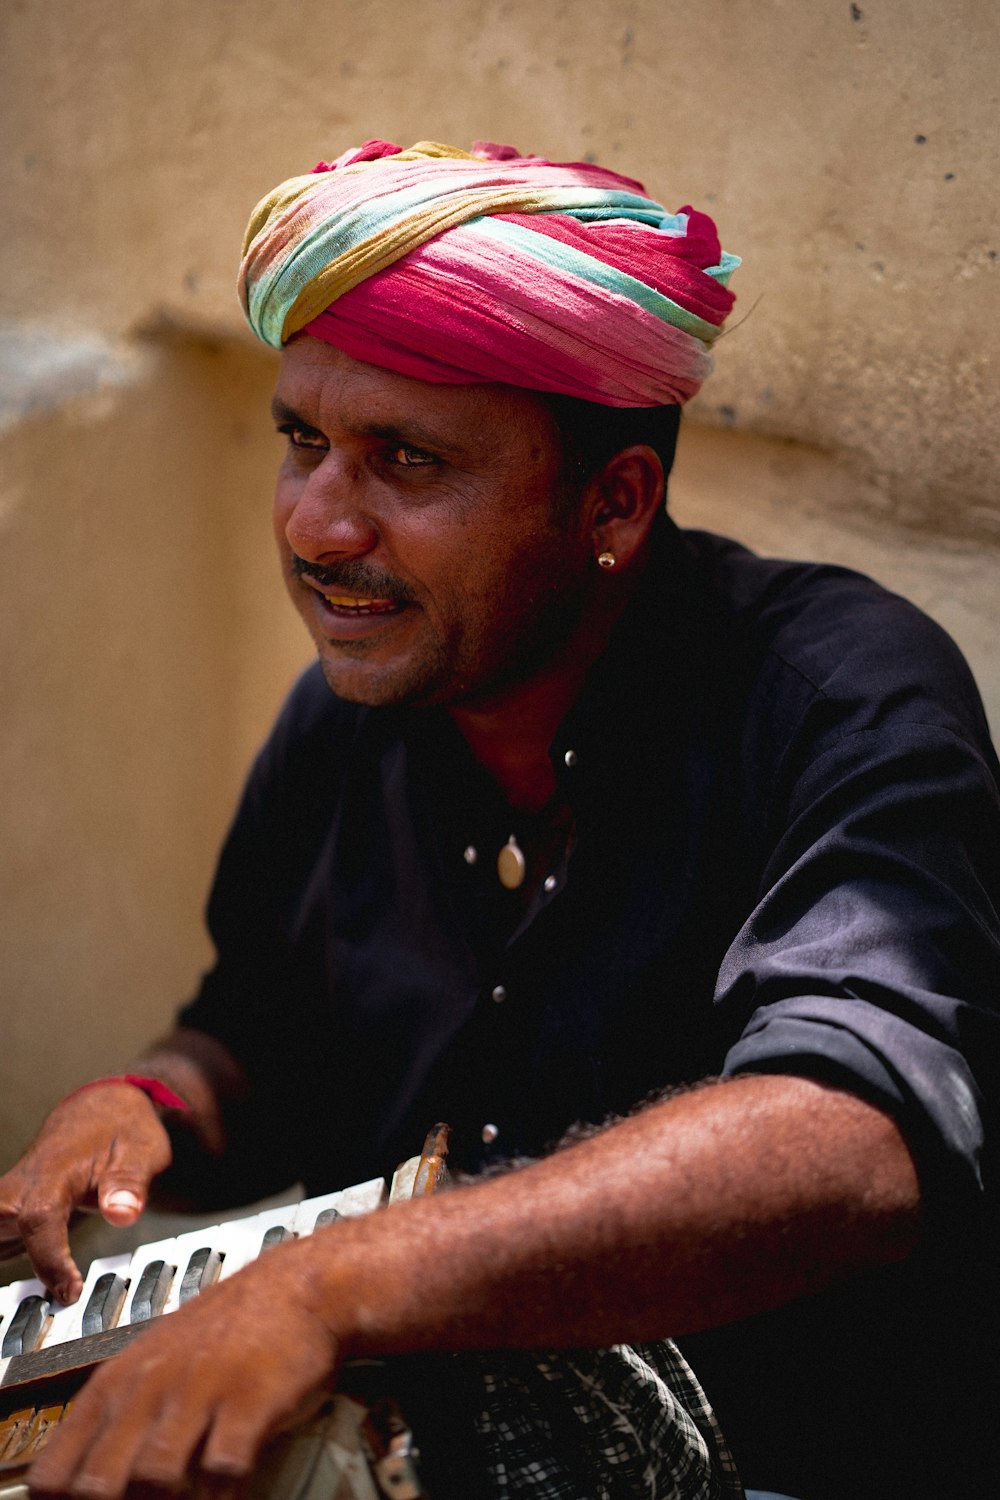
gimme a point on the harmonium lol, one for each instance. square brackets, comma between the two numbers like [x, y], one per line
[359, 1446]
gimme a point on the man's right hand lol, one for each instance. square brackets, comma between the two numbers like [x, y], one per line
[99, 1149]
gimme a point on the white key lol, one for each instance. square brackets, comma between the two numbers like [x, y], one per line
[238, 1241]
[67, 1322]
[241, 1240]
[178, 1252]
[362, 1198]
[8, 1302]
[244, 1237]
[31, 1287]
[142, 1259]
[403, 1180]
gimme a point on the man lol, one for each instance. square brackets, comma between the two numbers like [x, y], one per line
[594, 811]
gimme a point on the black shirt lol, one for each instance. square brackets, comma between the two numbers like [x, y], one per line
[778, 849]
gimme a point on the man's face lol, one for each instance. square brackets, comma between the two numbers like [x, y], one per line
[420, 531]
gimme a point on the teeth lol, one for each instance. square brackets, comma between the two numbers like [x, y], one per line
[342, 601]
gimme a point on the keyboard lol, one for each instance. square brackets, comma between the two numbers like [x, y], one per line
[360, 1439]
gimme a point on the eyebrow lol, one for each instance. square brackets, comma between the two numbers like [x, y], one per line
[281, 412]
[411, 434]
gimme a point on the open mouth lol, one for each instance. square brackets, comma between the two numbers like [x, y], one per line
[350, 605]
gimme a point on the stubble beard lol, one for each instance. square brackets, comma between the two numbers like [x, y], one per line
[403, 684]
[433, 674]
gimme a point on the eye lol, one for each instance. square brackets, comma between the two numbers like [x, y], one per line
[300, 436]
[412, 458]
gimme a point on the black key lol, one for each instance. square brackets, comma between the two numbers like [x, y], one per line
[152, 1291]
[25, 1327]
[202, 1269]
[105, 1304]
[276, 1235]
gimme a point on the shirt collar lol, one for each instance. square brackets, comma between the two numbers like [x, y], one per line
[638, 697]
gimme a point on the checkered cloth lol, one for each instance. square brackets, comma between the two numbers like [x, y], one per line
[579, 1424]
[605, 1424]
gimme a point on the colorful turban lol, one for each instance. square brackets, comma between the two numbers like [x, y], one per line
[457, 268]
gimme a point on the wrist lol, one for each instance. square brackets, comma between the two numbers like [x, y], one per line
[153, 1088]
[379, 1282]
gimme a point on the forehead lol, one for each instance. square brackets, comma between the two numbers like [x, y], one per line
[328, 389]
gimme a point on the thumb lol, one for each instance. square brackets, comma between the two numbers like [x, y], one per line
[121, 1203]
[123, 1190]
[137, 1153]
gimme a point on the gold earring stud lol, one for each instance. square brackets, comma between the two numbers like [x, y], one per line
[606, 559]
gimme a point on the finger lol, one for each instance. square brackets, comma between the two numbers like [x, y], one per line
[93, 1453]
[133, 1161]
[53, 1469]
[46, 1240]
[164, 1456]
[123, 1188]
[106, 1467]
[240, 1429]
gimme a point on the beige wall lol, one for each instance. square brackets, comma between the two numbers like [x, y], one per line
[146, 641]
[848, 153]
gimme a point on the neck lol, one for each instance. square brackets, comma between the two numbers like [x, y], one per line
[510, 731]
[510, 737]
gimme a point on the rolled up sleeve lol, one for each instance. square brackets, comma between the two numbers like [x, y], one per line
[872, 958]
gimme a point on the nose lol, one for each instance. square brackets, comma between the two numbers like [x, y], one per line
[326, 517]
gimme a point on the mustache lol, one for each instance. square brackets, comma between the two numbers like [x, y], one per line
[355, 577]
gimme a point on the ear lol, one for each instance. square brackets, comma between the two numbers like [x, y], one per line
[624, 498]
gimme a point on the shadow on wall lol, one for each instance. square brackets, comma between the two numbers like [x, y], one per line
[788, 499]
[148, 642]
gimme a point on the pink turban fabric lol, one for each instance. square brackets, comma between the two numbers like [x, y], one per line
[458, 267]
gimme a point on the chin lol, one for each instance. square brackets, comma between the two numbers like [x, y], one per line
[388, 685]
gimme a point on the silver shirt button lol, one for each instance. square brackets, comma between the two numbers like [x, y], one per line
[489, 1133]
[549, 883]
[499, 994]
[471, 855]
[570, 758]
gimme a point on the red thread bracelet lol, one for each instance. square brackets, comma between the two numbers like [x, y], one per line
[157, 1091]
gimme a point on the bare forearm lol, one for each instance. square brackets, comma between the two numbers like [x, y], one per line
[708, 1208]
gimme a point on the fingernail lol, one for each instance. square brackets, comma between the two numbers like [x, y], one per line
[122, 1198]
